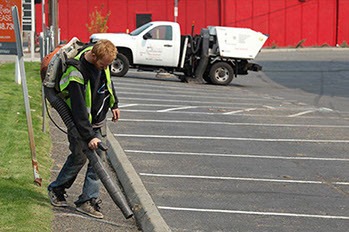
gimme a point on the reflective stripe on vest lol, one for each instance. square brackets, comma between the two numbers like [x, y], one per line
[73, 74]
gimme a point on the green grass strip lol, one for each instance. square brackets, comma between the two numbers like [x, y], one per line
[23, 205]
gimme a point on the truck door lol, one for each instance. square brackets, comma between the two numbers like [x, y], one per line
[157, 47]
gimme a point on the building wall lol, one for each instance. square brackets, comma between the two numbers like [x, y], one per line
[287, 22]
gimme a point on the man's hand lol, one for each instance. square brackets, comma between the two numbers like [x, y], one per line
[116, 114]
[93, 144]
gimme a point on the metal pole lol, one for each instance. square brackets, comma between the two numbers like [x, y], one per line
[55, 22]
[44, 52]
[32, 32]
[175, 13]
[37, 179]
[43, 47]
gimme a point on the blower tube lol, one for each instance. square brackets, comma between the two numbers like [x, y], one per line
[114, 191]
[204, 54]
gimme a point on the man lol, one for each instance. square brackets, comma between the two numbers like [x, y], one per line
[90, 93]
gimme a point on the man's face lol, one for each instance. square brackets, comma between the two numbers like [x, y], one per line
[103, 63]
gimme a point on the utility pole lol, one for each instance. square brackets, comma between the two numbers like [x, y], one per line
[53, 20]
[175, 10]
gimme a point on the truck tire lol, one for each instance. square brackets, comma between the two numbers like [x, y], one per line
[120, 66]
[221, 73]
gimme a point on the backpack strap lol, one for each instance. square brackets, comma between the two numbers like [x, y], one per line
[77, 64]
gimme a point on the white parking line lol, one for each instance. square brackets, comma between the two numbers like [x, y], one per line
[322, 109]
[232, 123]
[243, 179]
[177, 108]
[195, 96]
[237, 114]
[255, 213]
[127, 105]
[240, 111]
[211, 107]
[232, 138]
[186, 101]
[302, 113]
[270, 107]
[238, 155]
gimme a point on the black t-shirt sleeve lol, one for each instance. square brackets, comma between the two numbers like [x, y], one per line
[79, 111]
[116, 104]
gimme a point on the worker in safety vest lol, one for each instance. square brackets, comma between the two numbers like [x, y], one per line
[90, 94]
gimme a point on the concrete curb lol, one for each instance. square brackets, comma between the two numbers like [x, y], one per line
[303, 49]
[146, 213]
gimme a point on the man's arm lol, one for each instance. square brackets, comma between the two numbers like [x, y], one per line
[79, 111]
[115, 109]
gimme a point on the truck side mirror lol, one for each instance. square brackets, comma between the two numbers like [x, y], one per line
[147, 36]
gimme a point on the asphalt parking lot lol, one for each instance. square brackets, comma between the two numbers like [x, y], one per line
[252, 156]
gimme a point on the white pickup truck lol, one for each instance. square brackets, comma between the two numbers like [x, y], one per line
[216, 56]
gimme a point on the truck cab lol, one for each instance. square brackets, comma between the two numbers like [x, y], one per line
[154, 44]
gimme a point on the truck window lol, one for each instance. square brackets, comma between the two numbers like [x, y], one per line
[140, 29]
[161, 33]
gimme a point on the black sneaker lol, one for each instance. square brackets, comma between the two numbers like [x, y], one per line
[57, 198]
[91, 208]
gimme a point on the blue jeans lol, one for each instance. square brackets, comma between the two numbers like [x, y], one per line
[72, 166]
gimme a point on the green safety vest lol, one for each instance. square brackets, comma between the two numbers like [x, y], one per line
[73, 74]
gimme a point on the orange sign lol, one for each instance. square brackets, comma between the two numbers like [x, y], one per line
[7, 33]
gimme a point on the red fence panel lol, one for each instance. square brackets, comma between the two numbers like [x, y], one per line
[201, 13]
[277, 21]
[327, 22]
[310, 23]
[343, 23]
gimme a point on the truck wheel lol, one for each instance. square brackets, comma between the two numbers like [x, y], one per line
[120, 66]
[221, 73]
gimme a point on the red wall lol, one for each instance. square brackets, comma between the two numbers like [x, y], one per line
[201, 13]
[288, 22]
[343, 21]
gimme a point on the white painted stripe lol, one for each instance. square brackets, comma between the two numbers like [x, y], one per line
[262, 108]
[232, 138]
[243, 114]
[321, 109]
[240, 111]
[178, 112]
[193, 96]
[242, 179]
[270, 107]
[127, 105]
[238, 155]
[161, 105]
[197, 106]
[302, 113]
[255, 213]
[233, 123]
[187, 101]
[177, 108]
